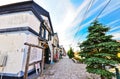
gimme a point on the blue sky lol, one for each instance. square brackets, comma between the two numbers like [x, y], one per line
[67, 16]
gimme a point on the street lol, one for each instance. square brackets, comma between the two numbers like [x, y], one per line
[67, 69]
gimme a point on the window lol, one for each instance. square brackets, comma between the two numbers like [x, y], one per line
[42, 31]
[49, 36]
[46, 34]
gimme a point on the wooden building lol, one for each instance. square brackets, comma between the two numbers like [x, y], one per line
[24, 27]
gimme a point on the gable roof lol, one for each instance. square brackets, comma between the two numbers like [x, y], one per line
[26, 6]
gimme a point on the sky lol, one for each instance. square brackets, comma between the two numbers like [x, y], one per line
[71, 18]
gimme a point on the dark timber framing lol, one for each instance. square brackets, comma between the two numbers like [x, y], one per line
[16, 29]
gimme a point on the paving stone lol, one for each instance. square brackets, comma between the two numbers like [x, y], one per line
[67, 69]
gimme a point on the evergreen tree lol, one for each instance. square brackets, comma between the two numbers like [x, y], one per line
[70, 53]
[99, 50]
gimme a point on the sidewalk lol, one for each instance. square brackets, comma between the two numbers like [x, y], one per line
[67, 69]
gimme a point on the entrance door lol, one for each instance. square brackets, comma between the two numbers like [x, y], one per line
[47, 55]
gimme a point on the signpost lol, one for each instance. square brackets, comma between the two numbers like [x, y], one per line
[36, 60]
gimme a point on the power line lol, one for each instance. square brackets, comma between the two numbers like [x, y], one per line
[84, 16]
[103, 9]
[100, 12]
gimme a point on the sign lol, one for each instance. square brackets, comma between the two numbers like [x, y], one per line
[35, 55]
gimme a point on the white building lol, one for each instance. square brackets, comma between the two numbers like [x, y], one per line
[20, 23]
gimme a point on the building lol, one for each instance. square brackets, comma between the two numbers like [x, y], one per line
[63, 51]
[20, 23]
[56, 49]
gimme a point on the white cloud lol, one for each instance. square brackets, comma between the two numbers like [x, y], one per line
[113, 22]
[116, 36]
[78, 21]
[111, 8]
[79, 13]
[96, 8]
[61, 14]
[115, 4]
[75, 20]
[4, 2]
[115, 28]
[64, 18]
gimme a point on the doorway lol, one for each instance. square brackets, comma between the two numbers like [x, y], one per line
[47, 55]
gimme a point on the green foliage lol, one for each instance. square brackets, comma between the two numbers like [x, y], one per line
[99, 50]
[102, 72]
[70, 53]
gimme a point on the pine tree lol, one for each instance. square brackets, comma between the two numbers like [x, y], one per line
[70, 53]
[99, 50]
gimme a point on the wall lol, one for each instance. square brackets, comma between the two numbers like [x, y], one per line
[12, 44]
[19, 19]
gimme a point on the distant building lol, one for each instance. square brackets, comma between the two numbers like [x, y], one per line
[63, 51]
[55, 47]
[19, 23]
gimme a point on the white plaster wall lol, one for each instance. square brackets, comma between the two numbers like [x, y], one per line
[12, 44]
[19, 19]
[33, 22]
[51, 50]
[33, 39]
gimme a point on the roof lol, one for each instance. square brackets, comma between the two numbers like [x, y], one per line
[26, 6]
